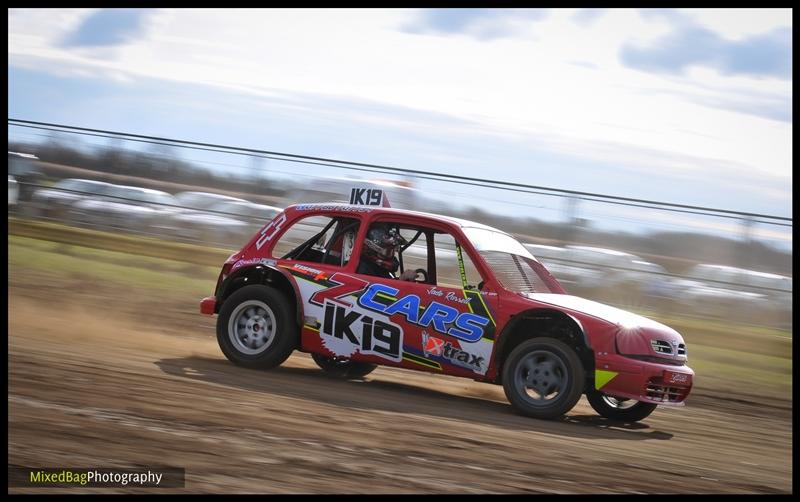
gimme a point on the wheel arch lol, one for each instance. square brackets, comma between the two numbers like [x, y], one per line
[540, 323]
[266, 275]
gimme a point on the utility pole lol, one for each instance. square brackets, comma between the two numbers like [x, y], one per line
[745, 246]
[572, 223]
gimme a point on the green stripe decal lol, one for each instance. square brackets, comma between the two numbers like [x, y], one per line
[422, 361]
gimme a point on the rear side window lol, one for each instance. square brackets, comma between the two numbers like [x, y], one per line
[318, 239]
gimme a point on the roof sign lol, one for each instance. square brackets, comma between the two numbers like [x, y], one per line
[368, 197]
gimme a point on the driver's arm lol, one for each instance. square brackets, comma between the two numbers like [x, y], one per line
[408, 275]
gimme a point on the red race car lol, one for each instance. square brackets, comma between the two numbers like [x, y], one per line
[360, 285]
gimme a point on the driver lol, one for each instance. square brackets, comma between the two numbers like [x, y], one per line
[378, 255]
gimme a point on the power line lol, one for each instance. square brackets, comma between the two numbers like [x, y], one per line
[358, 166]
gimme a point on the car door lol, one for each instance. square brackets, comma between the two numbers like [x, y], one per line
[443, 325]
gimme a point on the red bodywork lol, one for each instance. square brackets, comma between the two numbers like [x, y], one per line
[626, 362]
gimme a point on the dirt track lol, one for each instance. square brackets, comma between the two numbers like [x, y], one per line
[96, 385]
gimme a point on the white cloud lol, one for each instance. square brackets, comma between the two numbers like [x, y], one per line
[526, 87]
[736, 24]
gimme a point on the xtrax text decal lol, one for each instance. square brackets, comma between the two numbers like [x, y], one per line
[346, 331]
[465, 326]
[438, 348]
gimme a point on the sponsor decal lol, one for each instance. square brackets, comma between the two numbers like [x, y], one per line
[461, 270]
[344, 285]
[673, 377]
[457, 299]
[432, 346]
[333, 207]
[269, 231]
[346, 331]
[434, 291]
[317, 275]
[253, 261]
[443, 318]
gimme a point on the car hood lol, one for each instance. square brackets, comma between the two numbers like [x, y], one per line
[634, 333]
[595, 309]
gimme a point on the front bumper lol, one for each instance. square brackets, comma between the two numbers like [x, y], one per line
[663, 384]
[208, 305]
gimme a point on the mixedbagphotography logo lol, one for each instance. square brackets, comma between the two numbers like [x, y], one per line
[95, 477]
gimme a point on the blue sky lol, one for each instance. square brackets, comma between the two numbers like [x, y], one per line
[688, 106]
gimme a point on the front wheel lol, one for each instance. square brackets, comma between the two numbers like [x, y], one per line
[256, 328]
[343, 368]
[543, 378]
[614, 408]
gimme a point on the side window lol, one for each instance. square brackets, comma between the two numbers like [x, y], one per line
[383, 259]
[318, 239]
[447, 266]
[381, 249]
[416, 255]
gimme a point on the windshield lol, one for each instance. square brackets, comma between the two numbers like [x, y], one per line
[512, 264]
[492, 240]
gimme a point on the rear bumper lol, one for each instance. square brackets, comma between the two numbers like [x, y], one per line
[208, 305]
[662, 384]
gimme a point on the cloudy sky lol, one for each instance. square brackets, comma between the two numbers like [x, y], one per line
[688, 106]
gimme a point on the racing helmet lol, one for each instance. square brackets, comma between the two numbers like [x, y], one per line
[380, 246]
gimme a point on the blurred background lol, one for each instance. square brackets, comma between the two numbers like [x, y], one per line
[643, 155]
[651, 256]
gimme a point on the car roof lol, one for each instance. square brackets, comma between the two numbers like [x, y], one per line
[332, 206]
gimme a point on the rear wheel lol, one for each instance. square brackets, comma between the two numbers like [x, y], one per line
[256, 328]
[617, 408]
[543, 378]
[343, 368]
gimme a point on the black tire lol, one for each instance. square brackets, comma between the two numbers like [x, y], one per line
[618, 409]
[273, 330]
[558, 388]
[343, 369]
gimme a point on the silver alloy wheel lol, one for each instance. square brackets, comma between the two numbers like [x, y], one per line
[251, 327]
[542, 377]
[619, 403]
